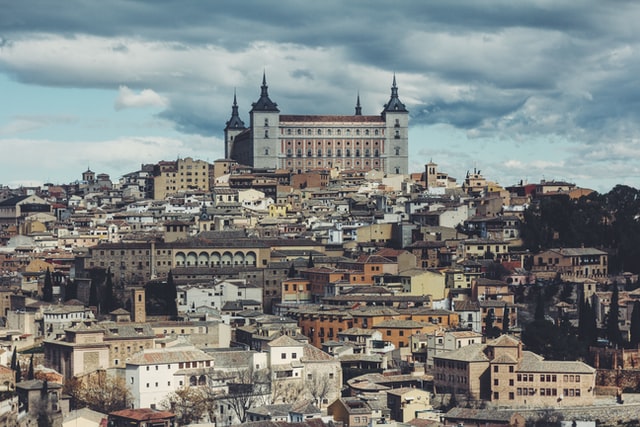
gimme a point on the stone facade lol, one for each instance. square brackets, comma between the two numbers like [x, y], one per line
[305, 142]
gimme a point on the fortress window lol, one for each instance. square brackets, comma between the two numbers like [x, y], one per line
[266, 123]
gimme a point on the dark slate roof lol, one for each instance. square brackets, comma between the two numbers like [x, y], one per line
[264, 103]
[394, 104]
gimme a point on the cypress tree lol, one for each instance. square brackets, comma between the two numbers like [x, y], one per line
[635, 325]
[505, 320]
[110, 300]
[31, 373]
[172, 297]
[47, 290]
[93, 294]
[292, 271]
[613, 327]
[14, 359]
[539, 313]
[310, 263]
[18, 372]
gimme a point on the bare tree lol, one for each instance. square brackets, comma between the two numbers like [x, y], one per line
[319, 387]
[100, 392]
[286, 391]
[188, 403]
[249, 388]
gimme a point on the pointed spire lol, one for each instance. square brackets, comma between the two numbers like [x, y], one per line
[264, 103]
[394, 104]
[358, 107]
[235, 122]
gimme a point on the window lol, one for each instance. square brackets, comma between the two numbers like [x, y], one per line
[294, 355]
[283, 355]
[495, 368]
[511, 396]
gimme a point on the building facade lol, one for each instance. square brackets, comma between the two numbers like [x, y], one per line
[305, 142]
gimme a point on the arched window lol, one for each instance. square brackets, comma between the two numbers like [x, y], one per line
[357, 152]
[309, 152]
[319, 152]
[367, 153]
[376, 153]
[299, 131]
[193, 381]
[375, 132]
[266, 151]
[308, 131]
[319, 131]
[338, 132]
[339, 152]
[348, 152]
[366, 132]
[288, 131]
[288, 152]
[202, 380]
[299, 152]
[328, 152]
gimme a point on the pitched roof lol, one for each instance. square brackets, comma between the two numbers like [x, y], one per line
[285, 341]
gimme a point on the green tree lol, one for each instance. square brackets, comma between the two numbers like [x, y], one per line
[14, 359]
[18, 372]
[310, 263]
[635, 325]
[613, 325]
[93, 294]
[30, 372]
[71, 291]
[109, 297]
[539, 313]
[172, 297]
[505, 320]
[47, 289]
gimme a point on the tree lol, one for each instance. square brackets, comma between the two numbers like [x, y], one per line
[310, 263]
[488, 324]
[188, 403]
[613, 326]
[18, 372]
[47, 289]
[635, 325]
[43, 411]
[93, 294]
[249, 389]
[100, 392]
[505, 319]
[292, 271]
[319, 387]
[172, 297]
[71, 292]
[14, 359]
[30, 374]
[539, 313]
[110, 303]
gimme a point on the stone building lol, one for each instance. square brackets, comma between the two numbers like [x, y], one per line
[305, 142]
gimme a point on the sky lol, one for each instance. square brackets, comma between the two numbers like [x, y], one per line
[520, 90]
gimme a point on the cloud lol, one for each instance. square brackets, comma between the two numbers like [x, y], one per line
[146, 98]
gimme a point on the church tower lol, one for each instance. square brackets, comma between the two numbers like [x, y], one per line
[431, 175]
[265, 128]
[234, 127]
[396, 119]
[138, 305]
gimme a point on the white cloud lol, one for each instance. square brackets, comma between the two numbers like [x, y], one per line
[146, 98]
